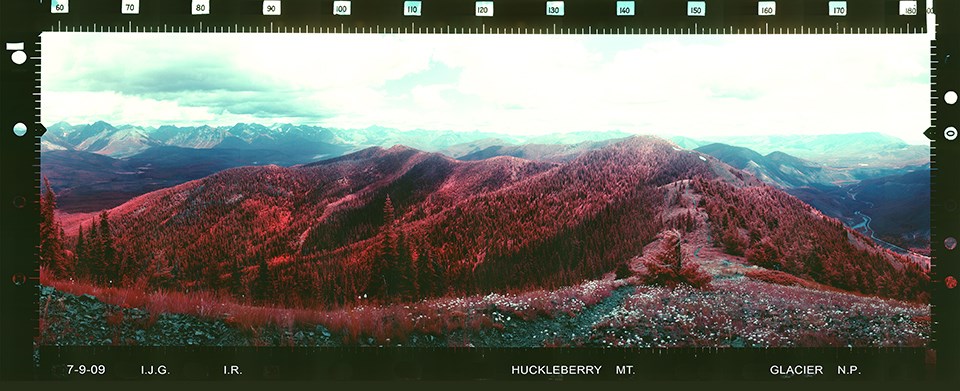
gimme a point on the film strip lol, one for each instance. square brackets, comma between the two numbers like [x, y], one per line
[564, 17]
[25, 357]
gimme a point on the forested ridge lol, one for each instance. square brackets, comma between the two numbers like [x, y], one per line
[390, 225]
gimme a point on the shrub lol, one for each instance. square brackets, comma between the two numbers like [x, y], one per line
[765, 254]
[668, 268]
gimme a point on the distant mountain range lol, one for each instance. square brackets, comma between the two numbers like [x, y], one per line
[852, 150]
[855, 150]
[299, 142]
[778, 168]
[304, 142]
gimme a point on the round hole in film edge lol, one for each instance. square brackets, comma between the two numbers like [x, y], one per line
[19, 201]
[950, 282]
[18, 57]
[950, 243]
[950, 133]
[19, 129]
[19, 279]
[950, 97]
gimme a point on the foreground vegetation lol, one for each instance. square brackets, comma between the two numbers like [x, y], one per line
[609, 313]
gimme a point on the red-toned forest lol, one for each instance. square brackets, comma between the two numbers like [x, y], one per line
[389, 225]
[779, 232]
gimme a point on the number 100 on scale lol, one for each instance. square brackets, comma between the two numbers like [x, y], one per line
[341, 8]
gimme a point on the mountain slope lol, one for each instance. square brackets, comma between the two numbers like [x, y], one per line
[777, 168]
[838, 150]
[888, 196]
[543, 152]
[87, 182]
[318, 232]
[892, 204]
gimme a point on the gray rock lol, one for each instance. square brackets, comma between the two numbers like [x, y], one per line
[323, 331]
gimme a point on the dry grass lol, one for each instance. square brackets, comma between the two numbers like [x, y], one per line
[382, 324]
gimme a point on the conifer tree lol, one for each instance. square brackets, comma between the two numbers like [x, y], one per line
[262, 288]
[236, 283]
[109, 261]
[439, 278]
[81, 255]
[94, 253]
[426, 274]
[406, 270]
[51, 239]
[384, 279]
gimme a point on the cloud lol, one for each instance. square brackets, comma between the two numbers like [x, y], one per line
[116, 108]
[532, 84]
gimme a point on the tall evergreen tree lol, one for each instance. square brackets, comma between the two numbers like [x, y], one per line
[51, 242]
[425, 273]
[109, 260]
[262, 289]
[384, 278]
[236, 274]
[440, 277]
[406, 270]
[159, 273]
[67, 263]
[80, 268]
[94, 253]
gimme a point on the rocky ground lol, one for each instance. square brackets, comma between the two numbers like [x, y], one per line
[735, 312]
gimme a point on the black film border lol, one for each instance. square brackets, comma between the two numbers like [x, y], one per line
[23, 22]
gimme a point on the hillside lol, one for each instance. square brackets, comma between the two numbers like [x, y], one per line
[401, 224]
[777, 168]
[542, 152]
[88, 182]
[892, 204]
[745, 306]
[886, 195]
[99, 166]
[851, 150]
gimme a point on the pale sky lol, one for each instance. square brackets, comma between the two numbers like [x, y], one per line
[695, 86]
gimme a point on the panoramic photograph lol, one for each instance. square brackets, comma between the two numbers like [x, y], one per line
[443, 190]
